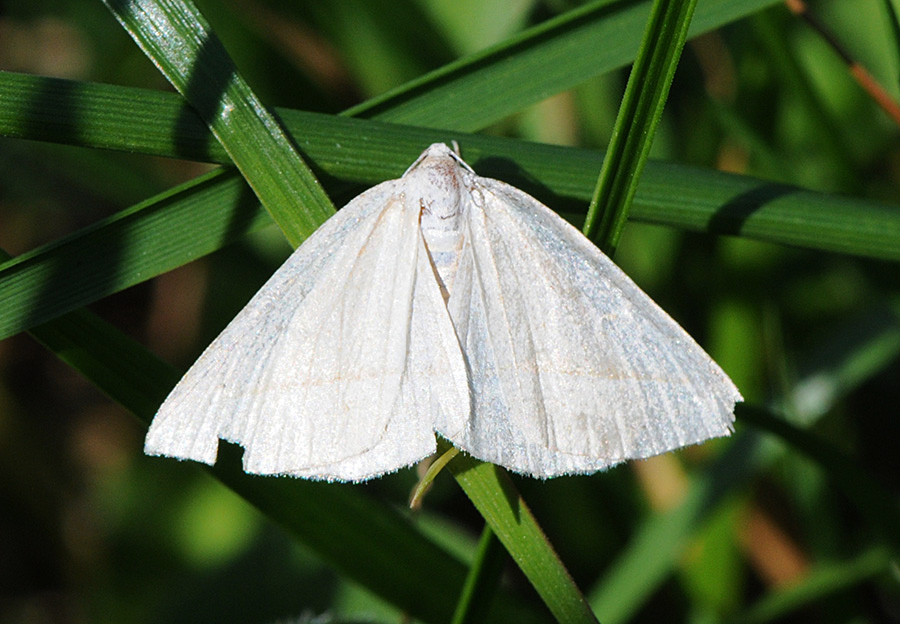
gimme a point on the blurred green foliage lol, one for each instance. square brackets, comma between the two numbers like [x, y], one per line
[779, 525]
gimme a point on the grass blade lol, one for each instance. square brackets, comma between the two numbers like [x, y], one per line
[176, 37]
[492, 492]
[132, 246]
[482, 581]
[670, 194]
[639, 114]
[556, 55]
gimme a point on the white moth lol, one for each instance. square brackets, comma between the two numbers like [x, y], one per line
[445, 302]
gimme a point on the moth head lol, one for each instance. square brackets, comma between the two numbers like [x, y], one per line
[437, 181]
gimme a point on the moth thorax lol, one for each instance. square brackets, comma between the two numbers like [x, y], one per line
[444, 248]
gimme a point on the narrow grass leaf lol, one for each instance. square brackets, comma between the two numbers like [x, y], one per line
[639, 114]
[495, 496]
[670, 194]
[551, 57]
[176, 37]
[482, 581]
[208, 213]
[132, 246]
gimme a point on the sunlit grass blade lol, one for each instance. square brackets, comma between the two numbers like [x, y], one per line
[136, 244]
[367, 151]
[495, 496]
[482, 582]
[176, 37]
[639, 114]
[556, 55]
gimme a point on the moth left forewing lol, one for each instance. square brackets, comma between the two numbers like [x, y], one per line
[341, 408]
[215, 397]
[573, 367]
[310, 376]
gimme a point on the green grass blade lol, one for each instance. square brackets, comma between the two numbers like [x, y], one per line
[128, 119]
[482, 581]
[492, 492]
[639, 114]
[150, 238]
[176, 37]
[556, 55]
[669, 194]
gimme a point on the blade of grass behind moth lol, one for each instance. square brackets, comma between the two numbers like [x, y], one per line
[176, 37]
[199, 217]
[135, 244]
[553, 56]
[366, 548]
[639, 114]
[691, 198]
[482, 581]
[495, 496]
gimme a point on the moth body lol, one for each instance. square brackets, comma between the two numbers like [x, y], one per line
[442, 213]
